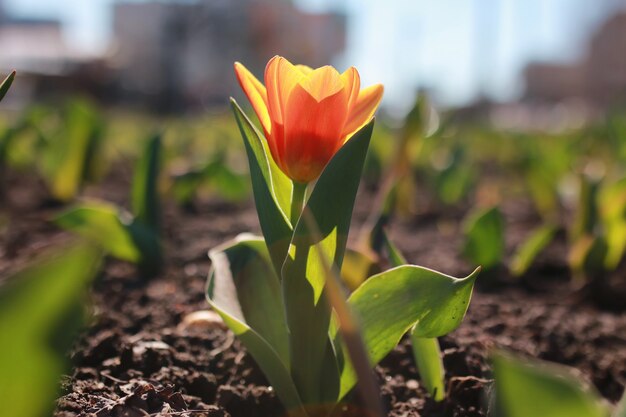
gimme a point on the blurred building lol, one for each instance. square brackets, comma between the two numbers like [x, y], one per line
[179, 54]
[598, 79]
[46, 63]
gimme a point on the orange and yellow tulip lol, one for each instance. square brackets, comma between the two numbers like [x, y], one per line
[308, 114]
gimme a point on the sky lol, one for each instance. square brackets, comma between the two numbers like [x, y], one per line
[457, 49]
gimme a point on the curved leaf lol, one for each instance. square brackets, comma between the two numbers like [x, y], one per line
[426, 350]
[537, 388]
[330, 206]
[244, 289]
[41, 310]
[72, 151]
[531, 248]
[104, 224]
[272, 190]
[391, 303]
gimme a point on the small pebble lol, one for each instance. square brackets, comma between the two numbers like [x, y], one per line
[204, 319]
[412, 384]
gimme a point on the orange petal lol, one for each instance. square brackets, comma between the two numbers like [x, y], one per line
[256, 93]
[305, 69]
[352, 83]
[363, 109]
[280, 78]
[322, 82]
[312, 131]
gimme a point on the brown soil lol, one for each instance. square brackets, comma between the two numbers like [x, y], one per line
[136, 360]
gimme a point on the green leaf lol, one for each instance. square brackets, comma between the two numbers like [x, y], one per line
[535, 388]
[391, 303]
[6, 84]
[104, 224]
[145, 200]
[612, 208]
[272, 190]
[149, 245]
[245, 290]
[484, 238]
[41, 310]
[186, 184]
[417, 119]
[454, 182]
[426, 350]
[229, 184]
[308, 314]
[70, 152]
[427, 354]
[396, 258]
[528, 251]
[586, 219]
[216, 174]
[542, 188]
[7, 138]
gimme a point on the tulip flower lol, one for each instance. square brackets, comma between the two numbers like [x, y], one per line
[279, 293]
[308, 114]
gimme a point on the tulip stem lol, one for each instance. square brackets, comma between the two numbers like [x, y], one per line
[297, 201]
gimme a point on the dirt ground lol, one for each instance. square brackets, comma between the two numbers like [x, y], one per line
[135, 359]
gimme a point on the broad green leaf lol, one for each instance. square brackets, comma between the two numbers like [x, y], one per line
[145, 200]
[303, 275]
[344, 321]
[528, 251]
[245, 290]
[41, 310]
[484, 238]
[272, 190]
[6, 84]
[533, 388]
[104, 224]
[391, 303]
[426, 350]
[363, 260]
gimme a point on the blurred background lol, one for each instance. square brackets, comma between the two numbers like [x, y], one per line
[484, 57]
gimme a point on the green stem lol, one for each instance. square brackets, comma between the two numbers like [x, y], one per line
[429, 364]
[297, 201]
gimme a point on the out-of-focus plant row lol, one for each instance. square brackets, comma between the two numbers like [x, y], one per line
[575, 180]
[428, 163]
